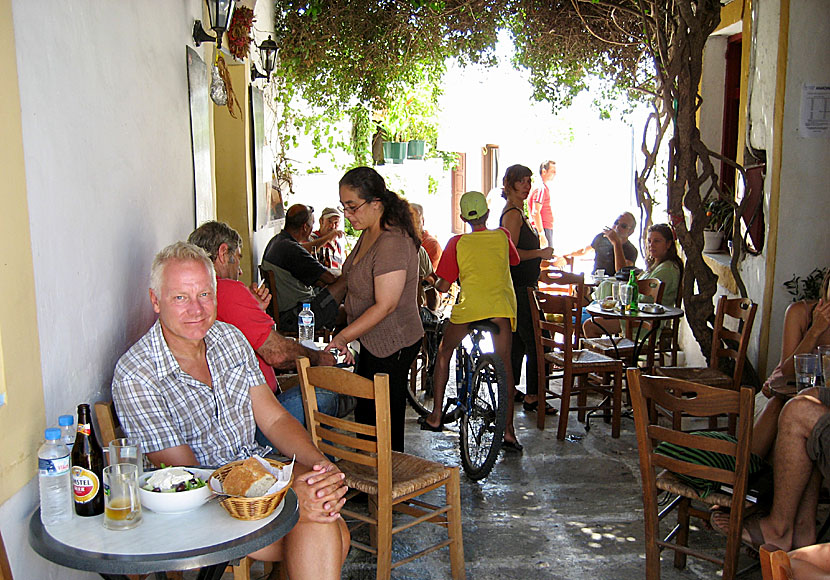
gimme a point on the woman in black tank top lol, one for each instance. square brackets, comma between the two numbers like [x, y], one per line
[517, 182]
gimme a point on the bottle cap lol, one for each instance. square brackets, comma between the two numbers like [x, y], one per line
[65, 420]
[306, 306]
[52, 434]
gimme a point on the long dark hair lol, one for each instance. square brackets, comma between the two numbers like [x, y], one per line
[668, 235]
[513, 174]
[370, 186]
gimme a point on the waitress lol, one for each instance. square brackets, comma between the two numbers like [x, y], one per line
[517, 182]
[380, 285]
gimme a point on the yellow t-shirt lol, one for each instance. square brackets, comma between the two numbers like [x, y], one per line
[481, 261]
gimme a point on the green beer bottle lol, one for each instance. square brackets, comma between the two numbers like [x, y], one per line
[635, 292]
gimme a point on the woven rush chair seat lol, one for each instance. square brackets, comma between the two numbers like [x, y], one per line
[625, 346]
[668, 481]
[409, 474]
[703, 375]
[582, 358]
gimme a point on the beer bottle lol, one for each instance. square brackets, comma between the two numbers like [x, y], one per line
[635, 292]
[87, 467]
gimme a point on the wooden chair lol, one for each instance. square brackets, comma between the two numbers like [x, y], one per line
[668, 343]
[569, 284]
[675, 396]
[5, 567]
[742, 310]
[392, 480]
[651, 288]
[109, 428]
[775, 563]
[574, 363]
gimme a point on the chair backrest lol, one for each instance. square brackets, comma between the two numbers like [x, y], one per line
[369, 445]
[561, 335]
[572, 285]
[674, 397]
[270, 279]
[5, 567]
[743, 310]
[109, 427]
[652, 287]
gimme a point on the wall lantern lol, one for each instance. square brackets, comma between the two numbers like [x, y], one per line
[268, 56]
[220, 12]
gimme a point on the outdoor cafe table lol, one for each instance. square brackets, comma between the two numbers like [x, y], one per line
[207, 538]
[783, 387]
[637, 318]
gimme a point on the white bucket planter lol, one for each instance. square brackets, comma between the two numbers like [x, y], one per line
[712, 241]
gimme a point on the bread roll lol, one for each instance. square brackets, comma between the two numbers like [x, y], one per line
[249, 479]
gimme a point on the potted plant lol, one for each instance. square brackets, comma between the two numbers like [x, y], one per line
[719, 213]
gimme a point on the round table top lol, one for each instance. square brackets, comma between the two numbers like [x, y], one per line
[668, 313]
[783, 387]
[203, 537]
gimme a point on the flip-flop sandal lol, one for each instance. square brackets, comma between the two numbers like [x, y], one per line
[422, 421]
[752, 524]
[531, 407]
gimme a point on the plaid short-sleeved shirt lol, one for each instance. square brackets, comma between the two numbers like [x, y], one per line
[163, 406]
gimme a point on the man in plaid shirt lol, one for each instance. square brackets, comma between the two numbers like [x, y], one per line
[191, 391]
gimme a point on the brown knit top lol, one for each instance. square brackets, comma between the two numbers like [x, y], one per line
[393, 250]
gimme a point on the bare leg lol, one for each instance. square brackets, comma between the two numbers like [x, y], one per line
[503, 342]
[811, 562]
[766, 427]
[310, 549]
[453, 335]
[804, 533]
[792, 471]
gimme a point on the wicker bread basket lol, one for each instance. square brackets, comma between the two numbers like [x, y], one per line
[251, 508]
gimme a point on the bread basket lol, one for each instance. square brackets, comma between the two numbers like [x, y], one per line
[251, 508]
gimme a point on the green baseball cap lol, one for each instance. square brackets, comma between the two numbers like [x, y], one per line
[473, 205]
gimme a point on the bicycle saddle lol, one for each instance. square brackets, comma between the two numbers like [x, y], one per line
[486, 325]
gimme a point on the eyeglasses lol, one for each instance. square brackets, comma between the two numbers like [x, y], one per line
[623, 225]
[353, 210]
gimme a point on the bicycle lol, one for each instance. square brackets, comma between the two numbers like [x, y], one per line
[480, 402]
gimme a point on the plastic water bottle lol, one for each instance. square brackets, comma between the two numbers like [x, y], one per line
[53, 478]
[305, 326]
[67, 423]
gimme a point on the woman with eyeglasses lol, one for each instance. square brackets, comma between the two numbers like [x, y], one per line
[516, 182]
[380, 288]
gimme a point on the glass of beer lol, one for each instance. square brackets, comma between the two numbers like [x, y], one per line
[824, 360]
[122, 508]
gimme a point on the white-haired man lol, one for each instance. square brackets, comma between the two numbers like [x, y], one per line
[191, 392]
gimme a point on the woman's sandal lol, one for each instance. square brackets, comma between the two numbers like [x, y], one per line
[512, 446]
[531, 408]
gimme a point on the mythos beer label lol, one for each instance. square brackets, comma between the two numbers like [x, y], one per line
[85, 484]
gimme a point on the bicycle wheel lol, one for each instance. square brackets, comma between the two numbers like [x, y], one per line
[482, 426]
[419, 388]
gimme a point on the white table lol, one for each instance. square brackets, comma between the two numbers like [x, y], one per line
[207, 538]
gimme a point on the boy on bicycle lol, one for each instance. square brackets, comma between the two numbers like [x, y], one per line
[480, 261]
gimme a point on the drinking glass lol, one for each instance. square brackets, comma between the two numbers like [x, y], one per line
[126, 451]
[122, 508]
[824, 362]
[806, 369]
[615, 291]
[626, 294]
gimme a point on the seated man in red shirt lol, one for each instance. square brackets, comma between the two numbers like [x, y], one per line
[428, 241]
[244, 308]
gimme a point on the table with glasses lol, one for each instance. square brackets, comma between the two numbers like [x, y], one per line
[207, 538]
[635, 319]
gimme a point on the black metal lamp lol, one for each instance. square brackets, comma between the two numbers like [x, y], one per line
[220, 12]
[268, 55]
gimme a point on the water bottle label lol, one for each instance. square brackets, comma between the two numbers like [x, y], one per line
[57, 466]
[85, 484]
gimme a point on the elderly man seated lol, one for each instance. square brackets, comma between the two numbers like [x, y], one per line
[191, 392]
[327, 242]
[800, 460]
[298, 273]
[244, 308]
[612, 250]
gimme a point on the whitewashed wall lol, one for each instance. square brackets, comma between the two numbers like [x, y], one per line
[106, 135]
